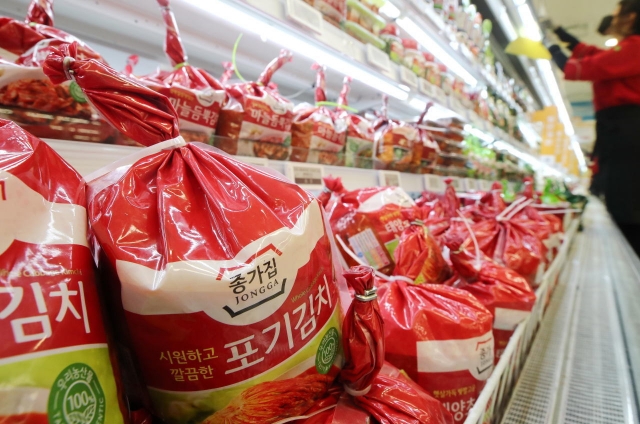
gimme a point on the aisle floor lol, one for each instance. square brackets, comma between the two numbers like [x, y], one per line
[585, 362]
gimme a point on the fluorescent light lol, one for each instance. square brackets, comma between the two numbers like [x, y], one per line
[237, 15]
[554, 90]
[611, 42]
[427, 42]
[531, 29]
[417, 104]
[390, 10]
[486, 137]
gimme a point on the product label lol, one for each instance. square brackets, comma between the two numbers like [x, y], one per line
[327, 135]
[197, 109]
[366, 247]
[212, 332]
[77, 397]
[474, 355]
[266, 119]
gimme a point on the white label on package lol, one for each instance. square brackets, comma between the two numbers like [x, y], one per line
[304, 14]
[366, 246]
[474, 355]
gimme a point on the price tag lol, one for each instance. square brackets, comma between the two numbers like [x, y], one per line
[253, 160]
[456, 106]
[305, 15]
[306, 175]
[485, 185]
[389, 178]
[457, 183]
[434, 183]
[441, 96]
[471, 185]
[378, 58]
[408, 77]
[427, 89]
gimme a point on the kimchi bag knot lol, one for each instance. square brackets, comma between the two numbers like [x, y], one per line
[67, 62]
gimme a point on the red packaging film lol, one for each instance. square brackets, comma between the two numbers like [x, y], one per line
[368, 223]
[318, 132]
[195, 94]
[427, 151]
[256, 117]
[419, 258]
[441, 337]
[28, 98]
[395, 142]
[374, 391]
[360, 133]
[501, 290]
[220, 272]
[331, 191]
[55, 363]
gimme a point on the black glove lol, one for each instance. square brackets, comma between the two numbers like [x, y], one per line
[558, 56]
[565, 37]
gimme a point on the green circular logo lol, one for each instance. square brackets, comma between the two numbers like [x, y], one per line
[327, 351]
[76, 397]
[76, 92]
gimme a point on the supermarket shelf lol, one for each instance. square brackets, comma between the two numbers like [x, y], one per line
[585, 359]
[491, 403]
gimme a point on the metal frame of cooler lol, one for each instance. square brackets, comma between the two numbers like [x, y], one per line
[494, 398]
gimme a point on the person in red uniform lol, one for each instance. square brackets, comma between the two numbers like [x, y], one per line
[615, 74]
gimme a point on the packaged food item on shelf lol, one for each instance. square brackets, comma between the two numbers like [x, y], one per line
[394, 142]
[360, 133]
[394, 47]
[365, 17]
[441, 337]
[334, 11]
[55, 363]
[256, 118]
[368, 223]
[427, 151]
[28, 98]
[195, 94]
[504, 292]
[374, 390]
[227, 304]
[318, 133]
[419, 258]
[358, 32]
[413, 57]
[433, 71]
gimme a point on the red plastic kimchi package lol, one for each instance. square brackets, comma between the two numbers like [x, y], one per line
[27, 96]
[331, 191]
[501, 290]
[318, 133]
[374, 391]
[419, 258]
[55, 364]
[194, 93]
[395, 142]
[360, 133]
[441, 337]
[220, 273]
[256, 117]
[368, 223]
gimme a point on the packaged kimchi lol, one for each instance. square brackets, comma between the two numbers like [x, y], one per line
[374, 391]
[360, 134]
[368, 223]
[55, 364]
[441, 337]
[419, 258]
[427, 152]
[256, 117]
[28, 98]
[503, 291]
[220, 273]
[194, 93]
[334, 11]
[318, 132]
[395, 142]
